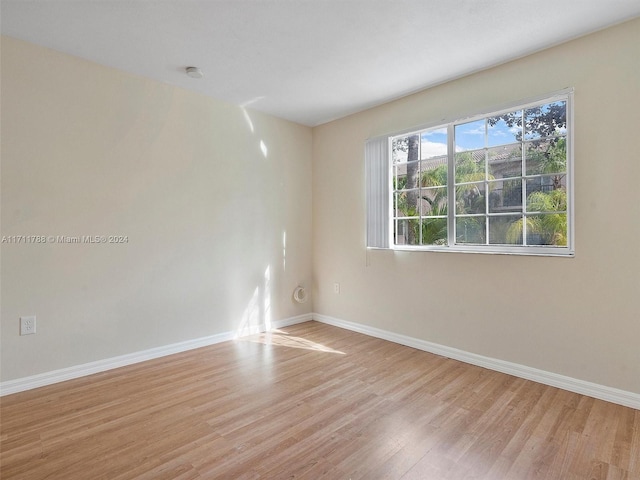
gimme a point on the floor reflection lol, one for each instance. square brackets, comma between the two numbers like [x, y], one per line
[283, 339]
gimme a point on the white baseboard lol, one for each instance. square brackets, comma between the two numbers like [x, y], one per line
[56, 376]
[609, 394]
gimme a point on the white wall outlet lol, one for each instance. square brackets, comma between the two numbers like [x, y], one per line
[28, 325]
[336, 288]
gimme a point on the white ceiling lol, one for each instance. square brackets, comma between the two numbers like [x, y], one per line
[308, 61]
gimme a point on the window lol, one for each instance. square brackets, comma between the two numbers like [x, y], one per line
[496, 183]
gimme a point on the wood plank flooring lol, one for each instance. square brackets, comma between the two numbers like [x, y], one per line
[313, 401]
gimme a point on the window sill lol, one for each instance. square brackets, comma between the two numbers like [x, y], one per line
[527, 251]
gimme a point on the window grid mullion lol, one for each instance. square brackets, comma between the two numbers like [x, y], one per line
[523, 185]
[419, 200]
[486, 182]
[504, 210]
[392, 234]
[451, 189]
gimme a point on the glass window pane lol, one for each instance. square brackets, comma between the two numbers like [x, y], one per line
[471, 230]
[433, 172]
[535, 157]
[469, 166]
[504, 129]
[556, 117]
[533, 128]
[546, 156]
[433, 201]
[434, 143]
[510, 179]
[505, 196]
[505, 161]
[434, 231]
[413, 174]
[470, 136]
[399, 233]
[505, 230]
[400, 177]
[400, 204]
[399, 149]
[545, 120]
[407, 232]
[543, 196]
[408, 203]
[470, 198]
[548, 229]
[395, 204]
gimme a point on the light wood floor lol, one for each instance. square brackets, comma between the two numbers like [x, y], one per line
[313, 402]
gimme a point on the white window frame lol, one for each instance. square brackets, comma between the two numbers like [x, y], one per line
[565, 95]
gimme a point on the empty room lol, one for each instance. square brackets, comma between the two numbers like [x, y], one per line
[320, 239]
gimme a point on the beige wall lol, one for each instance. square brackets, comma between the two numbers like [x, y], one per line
[578, 317]
[88, 150]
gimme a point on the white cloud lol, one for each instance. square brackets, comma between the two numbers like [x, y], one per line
[497, 133]
[479, 130]
[433, 149]
[440, 131]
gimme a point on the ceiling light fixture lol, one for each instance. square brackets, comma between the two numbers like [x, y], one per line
[194, 72]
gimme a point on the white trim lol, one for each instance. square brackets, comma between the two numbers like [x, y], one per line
[602, 392]
[489, 110]
[568, 250]
[56, 376]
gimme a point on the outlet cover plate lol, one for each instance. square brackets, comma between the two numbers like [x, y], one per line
[28, 325]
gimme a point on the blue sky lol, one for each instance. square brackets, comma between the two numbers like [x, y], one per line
[471, 136]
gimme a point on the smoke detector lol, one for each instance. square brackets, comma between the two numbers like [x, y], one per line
[194, 72]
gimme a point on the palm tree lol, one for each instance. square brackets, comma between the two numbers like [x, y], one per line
[413, 169]
[469, 198]
[550, 158]
[551, 228]
[434, 230]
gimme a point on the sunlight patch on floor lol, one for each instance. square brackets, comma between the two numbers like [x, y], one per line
[283, 339]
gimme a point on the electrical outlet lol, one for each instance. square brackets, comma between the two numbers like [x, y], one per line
[336, 288]
[28, 325]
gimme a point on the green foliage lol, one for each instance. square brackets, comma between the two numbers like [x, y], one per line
[427, 231]
[399, 144]
[555, 158]
[470, 198]
[466, 166]
[434, 231]
[553, 201]
[435, 177]
[543, 127]
[551, 228]
[543, 120]
[471, 230]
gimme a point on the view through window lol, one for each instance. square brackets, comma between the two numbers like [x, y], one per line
[497, 183]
